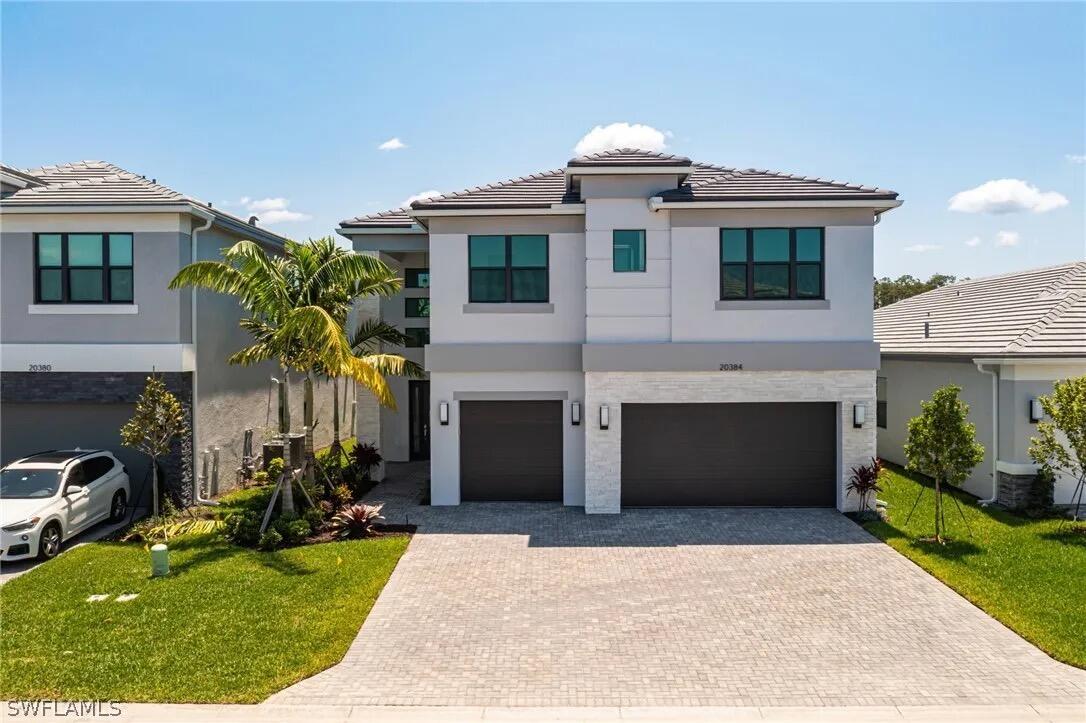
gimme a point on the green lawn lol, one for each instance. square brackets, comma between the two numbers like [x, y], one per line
[228, 624]
[1028, 574]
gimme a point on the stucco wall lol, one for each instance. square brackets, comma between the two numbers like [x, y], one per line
[603, 461]
[445, 439]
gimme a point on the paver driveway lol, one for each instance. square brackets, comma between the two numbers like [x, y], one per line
[540, 605]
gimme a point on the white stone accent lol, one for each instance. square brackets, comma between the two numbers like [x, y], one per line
[603, 448]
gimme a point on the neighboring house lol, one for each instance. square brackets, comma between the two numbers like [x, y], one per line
[1004, 340]
[87, 251]
[635, 329]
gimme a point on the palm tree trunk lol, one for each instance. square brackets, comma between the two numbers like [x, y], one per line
[335, 415]
[287, 489]
[310, 456]
[284, 401]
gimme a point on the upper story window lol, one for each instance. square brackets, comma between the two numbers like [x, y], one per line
[772, 263]
[417, 337]
[508, 269]
[628, 250]
[83, 268]
[417, 278]
[416, 308]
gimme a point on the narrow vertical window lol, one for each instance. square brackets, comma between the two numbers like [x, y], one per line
[880, 402]
[628, 251]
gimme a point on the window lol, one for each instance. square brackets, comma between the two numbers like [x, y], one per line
[83, 268]
[628, 251]
[880, 402]
[417, 278]
[416, 308]
[96, 468]
[417, 337]
[771, 263]
[506, 269]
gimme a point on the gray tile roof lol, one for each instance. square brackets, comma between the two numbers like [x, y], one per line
[703, 182]
[1040, 312]
[97, 183]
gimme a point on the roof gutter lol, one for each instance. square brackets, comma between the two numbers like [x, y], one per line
[657, 203]
[555, 209]
[995, 430]
[209, 219]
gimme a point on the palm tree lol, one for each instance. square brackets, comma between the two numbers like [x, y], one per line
[298, 305]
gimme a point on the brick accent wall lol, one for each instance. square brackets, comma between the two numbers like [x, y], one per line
[603, 448]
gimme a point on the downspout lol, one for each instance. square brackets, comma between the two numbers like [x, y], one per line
[208, 220]
[995, 433]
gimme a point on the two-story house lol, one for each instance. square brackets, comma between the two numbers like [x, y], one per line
[87, 250]
[637, 329]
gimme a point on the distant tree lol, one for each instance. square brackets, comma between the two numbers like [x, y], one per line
[159, 418]
[1060, 446]
[888, 290]
[943, 446]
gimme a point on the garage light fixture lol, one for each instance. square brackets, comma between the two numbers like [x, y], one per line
[605, 416]
[1036, 411]
[859, 413]
[443, 413]
[575, 414]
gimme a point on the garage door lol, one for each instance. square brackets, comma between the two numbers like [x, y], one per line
[729, 454]
[511, 451]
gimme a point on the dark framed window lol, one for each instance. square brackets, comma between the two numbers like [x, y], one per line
[628, 250]
[83, 268]
[416, 308]
[508, 269]
[880, 402]
[417, 336]
[416, 278]
[772, 263]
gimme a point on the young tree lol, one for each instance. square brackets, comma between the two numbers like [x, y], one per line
[943, 446]
[159, 418]
[1066, 408]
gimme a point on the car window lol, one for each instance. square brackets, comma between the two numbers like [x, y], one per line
[76, 476]
[29, 483]
[96, 468]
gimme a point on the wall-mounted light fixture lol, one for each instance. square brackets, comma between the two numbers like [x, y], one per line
[859, 414]
[443, 413]
[1036, 411]
[575, 414]
[605, 416]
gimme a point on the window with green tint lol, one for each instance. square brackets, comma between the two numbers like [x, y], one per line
[772, 263]
[628, 251]
[416, 308]
[84, 268]
[506, 269]
[417, 278]
[880, 402]
[417, 337]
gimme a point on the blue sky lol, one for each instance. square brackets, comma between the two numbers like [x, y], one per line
[290, 101]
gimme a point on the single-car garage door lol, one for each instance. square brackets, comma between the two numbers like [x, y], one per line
[511, 451]
[765, 454]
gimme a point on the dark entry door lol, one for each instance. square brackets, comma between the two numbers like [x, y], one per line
[418, 393]
[764, 454]
[511, 451]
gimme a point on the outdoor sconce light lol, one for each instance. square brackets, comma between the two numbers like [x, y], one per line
[575, 414]
[443, 413]
[859, 413]
[1036, 411]
[605, 416]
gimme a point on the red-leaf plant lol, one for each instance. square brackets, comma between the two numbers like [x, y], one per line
[864, 481]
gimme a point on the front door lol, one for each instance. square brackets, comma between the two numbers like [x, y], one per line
[419, 418]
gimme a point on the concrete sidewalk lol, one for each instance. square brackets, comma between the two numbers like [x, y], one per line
[271, 713]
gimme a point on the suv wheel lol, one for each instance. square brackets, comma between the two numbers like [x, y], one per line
[118, 506]
[49, 542]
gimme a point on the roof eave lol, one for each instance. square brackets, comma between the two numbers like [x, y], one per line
[520, 209]
[879, 204]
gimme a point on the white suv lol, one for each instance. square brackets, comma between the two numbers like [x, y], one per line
[50, 497]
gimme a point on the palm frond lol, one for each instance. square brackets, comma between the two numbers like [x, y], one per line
[394, 365]
[254, 354]
[367, 376]
[373, 332]
[357, 272]
[211, 275]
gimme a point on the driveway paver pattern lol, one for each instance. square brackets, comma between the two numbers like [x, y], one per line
[540, 605]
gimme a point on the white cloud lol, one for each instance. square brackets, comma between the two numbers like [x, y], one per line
[622, 135]
[1076, 158]
[973, 241]
[923, 248]
[1008, 238]
[418, 197]
[273, 210]
[392, 144]
[1006, 195]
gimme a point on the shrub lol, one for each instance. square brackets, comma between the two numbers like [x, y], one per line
[355, 521]
[260, 477]
[341, 495]
[365, 457]
[864, 481]
[314, 516]
[243, 528]
[292, 530]
[270, 540]
[274, 468]
[185, 523]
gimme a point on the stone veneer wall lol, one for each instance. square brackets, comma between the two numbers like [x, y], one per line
[103, 388]
[1020, 492]
[603, 448]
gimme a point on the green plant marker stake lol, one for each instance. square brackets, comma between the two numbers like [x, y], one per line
[160, 560]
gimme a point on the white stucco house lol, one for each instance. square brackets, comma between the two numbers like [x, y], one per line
[634, 329]
[1004, 340]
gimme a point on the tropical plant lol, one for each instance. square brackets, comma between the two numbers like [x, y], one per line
[159, 418]
[864, 481]
[297, 305]
[365, 457]
[183, 523]
[1060, 444]
[942, 445]
[355, 521]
